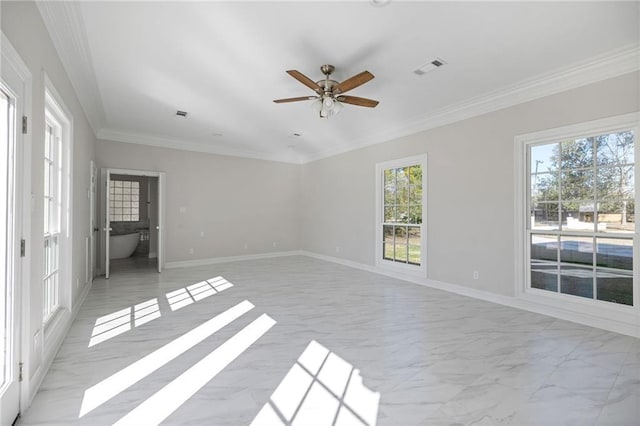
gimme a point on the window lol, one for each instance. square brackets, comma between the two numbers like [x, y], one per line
[56, 200]
[124, 201]
[401, 200]
[581, 215]
[52, 214]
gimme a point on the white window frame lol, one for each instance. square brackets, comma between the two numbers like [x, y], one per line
[58, 114]
[576, 305]
[52, 235]
[390, 265]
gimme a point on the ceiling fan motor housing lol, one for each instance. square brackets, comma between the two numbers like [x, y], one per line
[327, 69]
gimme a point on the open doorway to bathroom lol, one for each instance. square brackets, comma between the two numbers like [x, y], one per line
[132, 216]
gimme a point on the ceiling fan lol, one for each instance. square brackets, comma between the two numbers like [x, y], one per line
[329, 93]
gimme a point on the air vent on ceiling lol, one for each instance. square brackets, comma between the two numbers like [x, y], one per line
[429, 66]
[182, 114]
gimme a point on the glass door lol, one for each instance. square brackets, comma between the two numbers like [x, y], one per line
[10, 248]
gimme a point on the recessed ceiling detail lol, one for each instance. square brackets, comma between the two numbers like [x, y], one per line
[380, 3]
[130, 61]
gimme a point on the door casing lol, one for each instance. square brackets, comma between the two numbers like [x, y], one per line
[104, 212]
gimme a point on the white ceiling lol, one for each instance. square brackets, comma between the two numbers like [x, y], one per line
[135, 63]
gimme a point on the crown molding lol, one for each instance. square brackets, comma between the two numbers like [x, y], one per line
[612, 64]
[115, 135]
[13, 57]
[65, 25]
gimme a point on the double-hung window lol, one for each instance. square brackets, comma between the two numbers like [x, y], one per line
[52, 215]
[401, 195]
[580, 227]
[56, 272]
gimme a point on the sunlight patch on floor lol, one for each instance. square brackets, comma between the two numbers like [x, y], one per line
[321, 389]
[103, 391]
[160, 405]
[116, 323]
[192, 293]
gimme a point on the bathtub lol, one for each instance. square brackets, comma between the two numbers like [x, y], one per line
[121, 246]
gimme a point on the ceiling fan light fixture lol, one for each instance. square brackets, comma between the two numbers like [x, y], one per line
[327, 103]
[330, 99]
[317, 105]
[337, 107]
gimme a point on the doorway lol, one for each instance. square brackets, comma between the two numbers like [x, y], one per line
[133, 217]
[14, 221]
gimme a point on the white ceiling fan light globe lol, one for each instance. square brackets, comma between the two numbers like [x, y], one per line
[317, 105]
[328, 103]
[337, 107]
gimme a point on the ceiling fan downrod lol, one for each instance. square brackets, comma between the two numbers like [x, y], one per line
[328, 100]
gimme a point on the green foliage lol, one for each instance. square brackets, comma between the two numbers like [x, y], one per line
[594, 171]
[403, 195]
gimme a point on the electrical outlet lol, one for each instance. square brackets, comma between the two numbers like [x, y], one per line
[275, 244]
[337, 249]
[476, 275]
[246, 246]
[191, 251]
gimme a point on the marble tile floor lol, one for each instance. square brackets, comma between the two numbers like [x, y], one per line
[322, 343]
[132, 263]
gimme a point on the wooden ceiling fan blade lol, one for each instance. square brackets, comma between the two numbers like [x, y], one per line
[354, 100]
[301, 98]
[305, 80]
[353, 82]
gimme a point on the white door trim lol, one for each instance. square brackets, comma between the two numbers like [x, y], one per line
[93, 223]
[22, 214]
[104, 212]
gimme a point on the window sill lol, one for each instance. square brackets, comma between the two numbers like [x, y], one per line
[620, 318]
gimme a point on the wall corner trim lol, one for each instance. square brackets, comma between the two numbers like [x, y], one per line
[65, 25]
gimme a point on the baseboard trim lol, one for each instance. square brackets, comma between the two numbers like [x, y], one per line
[36, 380]
[629, 325]
[216, 260]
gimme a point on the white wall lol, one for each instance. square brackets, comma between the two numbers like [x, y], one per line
[23, 26]
[470, 212]
[217, 204]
